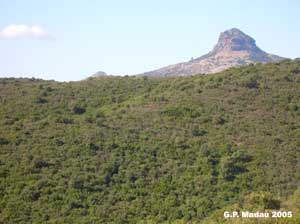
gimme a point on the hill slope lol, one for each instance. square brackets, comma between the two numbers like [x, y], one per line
[142, 150]
[234, 48]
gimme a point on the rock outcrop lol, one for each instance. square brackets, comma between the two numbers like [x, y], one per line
[234, 48]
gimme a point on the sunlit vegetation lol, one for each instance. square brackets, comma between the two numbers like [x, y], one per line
[151, 150]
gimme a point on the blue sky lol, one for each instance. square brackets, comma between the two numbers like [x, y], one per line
[71, 39]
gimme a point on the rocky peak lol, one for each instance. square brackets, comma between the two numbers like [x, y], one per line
[234, 48]
[235, 40]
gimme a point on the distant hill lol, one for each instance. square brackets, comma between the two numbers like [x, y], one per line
[145, 150]
[99, 74]
[234, 48]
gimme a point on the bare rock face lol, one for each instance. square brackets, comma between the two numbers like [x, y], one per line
[234, 48]
[235, 40]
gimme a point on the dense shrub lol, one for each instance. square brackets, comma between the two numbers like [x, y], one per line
[78, 110]
[145, 150]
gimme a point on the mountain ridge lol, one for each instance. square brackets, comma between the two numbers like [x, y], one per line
[234, 48]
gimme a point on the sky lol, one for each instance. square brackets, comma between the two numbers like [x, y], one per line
[69, 40]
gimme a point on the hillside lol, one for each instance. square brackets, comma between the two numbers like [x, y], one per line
[234, 48]
[149, 150]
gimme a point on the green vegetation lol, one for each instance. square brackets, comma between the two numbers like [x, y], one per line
[146, 150]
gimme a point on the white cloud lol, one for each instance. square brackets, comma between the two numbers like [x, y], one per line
[18, 31]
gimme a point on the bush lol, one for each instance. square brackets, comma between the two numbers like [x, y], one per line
[41, 100]
[234, 165]
[3, 141]
[262, 200]
[78, 110]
